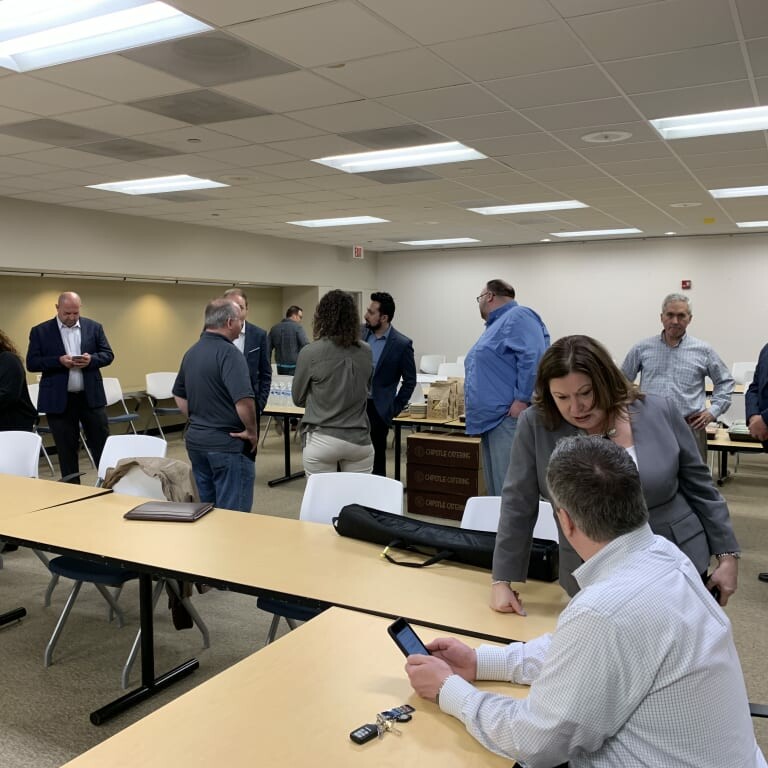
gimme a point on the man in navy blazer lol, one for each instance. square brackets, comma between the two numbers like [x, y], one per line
[756, 400]
[393, 360]
[252, 342]
[70, 351]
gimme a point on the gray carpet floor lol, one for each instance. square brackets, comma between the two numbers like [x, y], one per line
[44, 712]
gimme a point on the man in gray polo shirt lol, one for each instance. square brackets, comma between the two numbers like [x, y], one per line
[213, 389]
[675, 364]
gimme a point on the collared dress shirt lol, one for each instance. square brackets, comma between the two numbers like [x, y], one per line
[501, 367]
[70, 337]
[640, 671]
[679, 372]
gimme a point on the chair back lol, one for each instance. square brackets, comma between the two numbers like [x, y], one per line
[113, 391]
[34, 393]
[481, 513]
[452, 370]
[129, 446]
[326, 493]
[430, 363]
[160, 384]
[460, 359]
[136, 482]
[546, 527]
[743, 373]
[20, 453]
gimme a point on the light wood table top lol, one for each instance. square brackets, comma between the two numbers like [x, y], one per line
[283, 410]
[294, 704]
[260, 553]
[21, 495]
[722, 441]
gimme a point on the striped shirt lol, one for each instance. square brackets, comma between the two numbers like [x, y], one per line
[640, 671]
[678, 373]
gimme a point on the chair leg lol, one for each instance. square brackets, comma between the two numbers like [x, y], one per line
[41, 557]
[137, 640]
[51, 586]
[113, 606]
[272, 629]
[48, 460]
[266, 430]
[87, 449]
[48, 658]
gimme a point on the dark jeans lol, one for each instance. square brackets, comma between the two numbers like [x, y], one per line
[224, 479]
[286, 370]
[379, 432]
[65, 429]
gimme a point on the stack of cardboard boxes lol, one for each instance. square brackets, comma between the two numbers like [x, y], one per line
[443, 471]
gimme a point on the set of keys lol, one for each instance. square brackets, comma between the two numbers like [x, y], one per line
[385, 723]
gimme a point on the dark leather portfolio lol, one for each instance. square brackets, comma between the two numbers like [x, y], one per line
[169, 511]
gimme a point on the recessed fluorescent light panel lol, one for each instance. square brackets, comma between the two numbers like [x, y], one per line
[444, 241]
[739, 192]
[712, 123]
[41, 33]
[556, 205]
[346, 221]
[404, 157]
[750, 224]
[598, 232]
[158, 184]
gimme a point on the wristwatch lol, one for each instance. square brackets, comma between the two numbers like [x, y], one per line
[734, 555]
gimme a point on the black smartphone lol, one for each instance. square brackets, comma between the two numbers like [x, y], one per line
[406, 639]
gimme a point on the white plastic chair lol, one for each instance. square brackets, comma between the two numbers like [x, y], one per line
[129, 447]
[159, 387]
[324, 496]
[138, 483]
[20, 453]
[743, 373]
[430, 363]
[114, 394]
[460, 359]
[451, 370]
[481, 513]
[34, 391]
[546, 527]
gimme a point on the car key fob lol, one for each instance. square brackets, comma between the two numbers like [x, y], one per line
[364, 733]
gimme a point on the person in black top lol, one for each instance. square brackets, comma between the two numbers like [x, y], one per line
[16, 409]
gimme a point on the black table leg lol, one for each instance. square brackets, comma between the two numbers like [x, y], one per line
[723, 467]
[150, 685]
[398, 449]
[17, 614]
[287, 448]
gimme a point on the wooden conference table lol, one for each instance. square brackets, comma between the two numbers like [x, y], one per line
[272, 556]
[723, 444]
[295, 702]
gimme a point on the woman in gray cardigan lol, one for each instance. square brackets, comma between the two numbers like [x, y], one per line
[579, 389]
[332, 381]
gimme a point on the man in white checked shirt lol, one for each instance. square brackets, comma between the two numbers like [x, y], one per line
[641, 669]
[675, 365]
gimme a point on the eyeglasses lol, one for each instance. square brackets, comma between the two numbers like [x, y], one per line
[484, 293]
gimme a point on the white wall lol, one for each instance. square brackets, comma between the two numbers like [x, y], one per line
[609, 290]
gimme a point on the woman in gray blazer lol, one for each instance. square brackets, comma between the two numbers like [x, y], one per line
[579, 389]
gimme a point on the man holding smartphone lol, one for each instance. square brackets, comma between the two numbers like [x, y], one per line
[641, 669]
[70, 351]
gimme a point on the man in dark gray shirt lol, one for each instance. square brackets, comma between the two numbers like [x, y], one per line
[213, 389]
[287, 338]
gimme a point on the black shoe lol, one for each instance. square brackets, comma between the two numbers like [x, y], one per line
[763, 576]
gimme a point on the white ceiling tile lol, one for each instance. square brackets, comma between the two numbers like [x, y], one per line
[318, 146]
[224, 12]
[758, 56]
[293, 90]
[301, 169]
[690, 101]
[517, 52]
[13, 166]
[640, 131]
[695, 66]
[517, 145]
[266, 128]
[70, 177]
[634, 151]
[248, 156]
[124, 171]
[122, 120]
[354, 116]
[416, 69]
[11, 145]
[569, 8]
[321, 35]
[754, 18]
[726, 159]
[442, 103]
[583, 114]
[560, 87]
[9, 116]
[432, 21]
[41, 98]
[194, 139]
[762, 89]
[484, 126]
[116, 78]
[571, 172]
[655, 28]
[537, 160]
[192, 164]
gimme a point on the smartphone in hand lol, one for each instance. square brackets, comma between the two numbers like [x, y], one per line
[406, 639]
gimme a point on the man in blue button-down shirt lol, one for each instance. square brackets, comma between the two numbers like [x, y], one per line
[500, 372]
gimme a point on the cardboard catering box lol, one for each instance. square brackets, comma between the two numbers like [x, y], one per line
[444, 450]
[442, 505]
